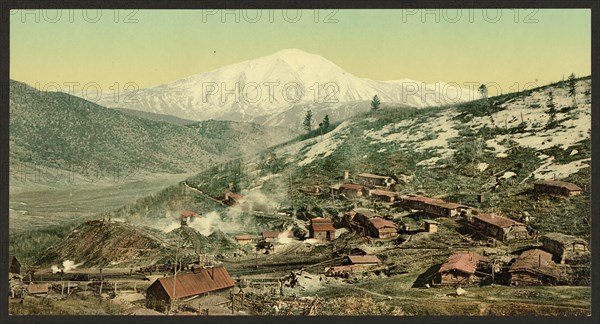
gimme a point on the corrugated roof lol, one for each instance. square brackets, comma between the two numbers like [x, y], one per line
[373, 176]
[352, 186]
[363, 259]
[191, 284]
[463, 261]
[561, 184]
[38, 288]
[564, 238]
[497, 220]
[382, 223]
[536, 261]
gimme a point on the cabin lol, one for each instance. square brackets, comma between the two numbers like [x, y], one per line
[462, 268]
[500, 228]
[244, 239]
[14, 266]
[362, 260]
[188, 216]
[322, 230]
[273, 236]
[374, 180]
[201, 283]
[557, 188]
[383, 195]
[534, 268]
[382, 228]
[433, 206]
[38, 289]
[352, 190]
[564, 248]
[431, 226]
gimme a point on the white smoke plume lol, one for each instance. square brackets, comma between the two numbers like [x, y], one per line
[67, 266]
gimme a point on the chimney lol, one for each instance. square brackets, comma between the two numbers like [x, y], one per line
[346, 174]
[539, 260]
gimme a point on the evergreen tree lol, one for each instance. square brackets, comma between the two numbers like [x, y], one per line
[325, 123]
[483, 91]
[572, 87]
[375, 103]
[308, 120]
[551, 111]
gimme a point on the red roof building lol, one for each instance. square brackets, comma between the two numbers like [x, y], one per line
[460, 269]
[534, 267]
[206, 281]
[500, 227]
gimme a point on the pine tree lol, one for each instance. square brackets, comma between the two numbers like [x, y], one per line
[375, 103]
[308, 120]
[572, 87]
[551, 111]
[325, 123]
[483, 91]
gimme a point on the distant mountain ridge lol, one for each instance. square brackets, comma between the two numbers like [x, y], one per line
[259, 89]
[60, 131]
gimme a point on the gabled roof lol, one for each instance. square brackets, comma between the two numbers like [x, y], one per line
[364, 259]
[365, 212]
[380, 223]
[434, 202]
[561, 184]
[497, 220]
[373, 176]
[321, 224]
[536, 261]
[275, 234]
[191, 284]
[463, 261]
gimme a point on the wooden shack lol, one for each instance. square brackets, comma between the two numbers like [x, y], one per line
[244, 239]
[383, 195]
[188, 216]
[37, 289]
[213, 280]
[461, 269]
[500, 228]
[431, 226]
[352, 190]
[433, 206]
[363, 260]
[322, 230]
[557, 188]
[534, 268]
[382, 228]
[564, 248]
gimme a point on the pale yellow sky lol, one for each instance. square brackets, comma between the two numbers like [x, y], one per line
[512, 48]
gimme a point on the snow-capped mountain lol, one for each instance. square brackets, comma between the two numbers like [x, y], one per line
[265, 87]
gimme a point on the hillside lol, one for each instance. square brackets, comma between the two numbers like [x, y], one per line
[103, 243]
[62, 132]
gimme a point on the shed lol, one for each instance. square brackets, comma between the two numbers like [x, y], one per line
[564, 248]
[460, 269]
[431, 226]
[38, 288]
[534, 267]
[244, 239]
[383, 195]
[187, 216]
[382, 228]
[500, 227]
[322, 230]
[557, 188]
[352, 190]
[213, 280]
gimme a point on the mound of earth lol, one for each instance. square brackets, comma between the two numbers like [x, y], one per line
[102, 243]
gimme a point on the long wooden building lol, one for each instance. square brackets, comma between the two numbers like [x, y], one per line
[500, 228]
[534, 268]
